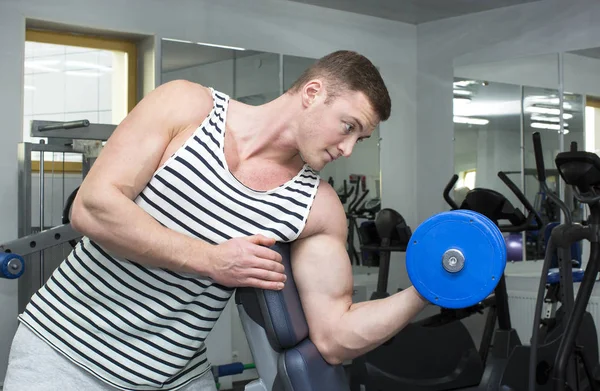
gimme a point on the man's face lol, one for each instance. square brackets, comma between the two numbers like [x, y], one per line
[331, 130]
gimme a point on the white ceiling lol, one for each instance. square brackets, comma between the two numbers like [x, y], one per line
[414, 11]
[176, 55]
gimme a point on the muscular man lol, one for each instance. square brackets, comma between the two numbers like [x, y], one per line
[180, 208]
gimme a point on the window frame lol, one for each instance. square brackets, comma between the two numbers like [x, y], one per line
[93, 42]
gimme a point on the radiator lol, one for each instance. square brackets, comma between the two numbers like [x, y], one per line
[522, 308]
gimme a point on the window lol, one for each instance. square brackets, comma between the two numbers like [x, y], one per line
[469, 179]
[466, 179]
[72, 77]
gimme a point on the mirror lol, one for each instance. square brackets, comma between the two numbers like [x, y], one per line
[497, 107]
[582, 119]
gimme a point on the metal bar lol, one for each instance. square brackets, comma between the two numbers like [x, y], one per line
[52, 148]
[65, 125]
[56, 129]
[42, 210]
[281, 75]
[561, 137]
[523, 164]
[40, 241]
[24, 206]
[27, 283]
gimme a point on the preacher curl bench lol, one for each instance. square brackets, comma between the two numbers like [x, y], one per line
[277, 333]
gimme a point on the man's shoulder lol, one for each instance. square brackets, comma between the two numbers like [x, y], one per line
[185, 101]
[327, 214]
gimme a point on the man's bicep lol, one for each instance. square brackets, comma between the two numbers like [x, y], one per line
[323, 276]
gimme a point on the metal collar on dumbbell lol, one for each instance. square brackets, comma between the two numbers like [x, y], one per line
[453, 261]
[14, 267]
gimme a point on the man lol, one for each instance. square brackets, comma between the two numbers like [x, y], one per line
[180, 208]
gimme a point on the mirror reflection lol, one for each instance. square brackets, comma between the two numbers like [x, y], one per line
[495, 115]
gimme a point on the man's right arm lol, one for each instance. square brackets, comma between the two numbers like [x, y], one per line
[105, 211]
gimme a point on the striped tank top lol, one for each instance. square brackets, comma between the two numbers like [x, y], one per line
[143, 328]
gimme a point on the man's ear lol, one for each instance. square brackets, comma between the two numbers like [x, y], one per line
[311, 92]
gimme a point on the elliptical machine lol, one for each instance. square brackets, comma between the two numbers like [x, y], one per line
[438, 353]
[505, 338]
[563, 355]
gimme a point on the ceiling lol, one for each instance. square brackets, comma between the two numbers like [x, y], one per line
[178, 55]
[414, 11]
[591, 52]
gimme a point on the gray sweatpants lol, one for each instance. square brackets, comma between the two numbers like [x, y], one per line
[33, 365]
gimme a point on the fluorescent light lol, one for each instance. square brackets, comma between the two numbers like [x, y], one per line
[548, 101]
[85, 64]
[462, 92]
[465, 83]
[536, 117]
[542, 110]
[205, 44]
[220, 46]
[539, 125]
[177, 40]
[470, 121]
[487, 108]
[83, 73]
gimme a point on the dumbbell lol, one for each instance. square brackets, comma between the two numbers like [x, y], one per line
[11, 265]
[455, 259]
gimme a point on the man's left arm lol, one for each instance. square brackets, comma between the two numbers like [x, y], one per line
[322, 271]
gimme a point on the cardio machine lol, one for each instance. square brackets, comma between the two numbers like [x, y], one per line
[563, 354]
[438, 353]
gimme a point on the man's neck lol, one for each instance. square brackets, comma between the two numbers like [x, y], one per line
[266, 132]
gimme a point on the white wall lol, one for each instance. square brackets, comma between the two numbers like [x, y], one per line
[266, 25]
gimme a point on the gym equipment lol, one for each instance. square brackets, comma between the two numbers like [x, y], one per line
[389, 233]
[356, 209]
[80, 138]
[233, 368]
[438, 353]
[277, 333]
[11, 266]
[13, 253]
[455, 259]
[402, 362]
[564, 353]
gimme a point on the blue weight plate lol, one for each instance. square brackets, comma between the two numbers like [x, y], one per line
[16, 268]
[483, 219]
[477, 238]
[496, 233]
